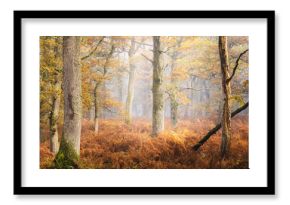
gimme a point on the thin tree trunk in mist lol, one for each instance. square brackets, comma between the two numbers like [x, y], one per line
[97, 88]
[226, 118]
[130, 96]
[131, 83]
[173, 100]
[120, 88]
[69, 151]
[97, 109]
[158, 92]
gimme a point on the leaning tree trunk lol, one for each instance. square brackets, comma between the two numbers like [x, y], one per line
[69, 151]
[53, 118]
[226, 117]
[158, 93]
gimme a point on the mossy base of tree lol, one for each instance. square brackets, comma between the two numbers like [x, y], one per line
[66, 158]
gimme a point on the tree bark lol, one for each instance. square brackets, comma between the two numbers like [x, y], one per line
[217, 127]
[53, 118]
[226, 87]
[158, 92]
[69, 151]
[131, 83]
[54, 144]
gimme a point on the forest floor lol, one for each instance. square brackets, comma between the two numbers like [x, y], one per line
[131, 147]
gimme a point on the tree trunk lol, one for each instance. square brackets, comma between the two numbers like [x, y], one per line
[53, 118]
[158, 93]
[97, 110]
[173, 111]
[54, 145]
[173, 98]
[69, 151]
[131, 83]
[130, 96]
[226, 118]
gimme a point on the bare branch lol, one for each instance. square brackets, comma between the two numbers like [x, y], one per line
[236, 66]
[142, 43]
[150, 60]
[94, 50]
[168, 48]
[201, 89]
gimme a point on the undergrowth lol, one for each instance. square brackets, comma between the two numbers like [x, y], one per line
[130, 146]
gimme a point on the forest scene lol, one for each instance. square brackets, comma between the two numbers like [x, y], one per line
[144, 102]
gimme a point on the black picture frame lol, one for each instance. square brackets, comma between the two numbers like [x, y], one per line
[268, 190]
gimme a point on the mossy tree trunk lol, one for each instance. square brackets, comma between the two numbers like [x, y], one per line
[226, 87]
[158, 92]
[69, 151]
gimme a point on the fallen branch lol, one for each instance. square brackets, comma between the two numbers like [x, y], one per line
[217, 127]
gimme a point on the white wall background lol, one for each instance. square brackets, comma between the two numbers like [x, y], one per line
[282, 99]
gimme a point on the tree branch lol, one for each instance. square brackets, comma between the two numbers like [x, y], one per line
[142, 43]
[201, 89]
[147, 58]
[237, 64]
[217, 127]
[94, 50]
[168, 48]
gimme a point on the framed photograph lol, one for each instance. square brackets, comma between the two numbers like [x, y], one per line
[144, 102]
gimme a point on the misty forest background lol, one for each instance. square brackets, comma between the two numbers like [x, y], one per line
[144, 102]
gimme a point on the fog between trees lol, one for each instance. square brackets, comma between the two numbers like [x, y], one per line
[161, 80]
